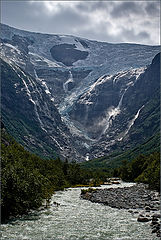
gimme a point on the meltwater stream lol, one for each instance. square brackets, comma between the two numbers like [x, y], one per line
[78, 219]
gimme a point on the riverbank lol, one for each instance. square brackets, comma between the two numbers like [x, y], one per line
[69, 217]
[136, 199]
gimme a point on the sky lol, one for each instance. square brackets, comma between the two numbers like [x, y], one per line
[107, 21]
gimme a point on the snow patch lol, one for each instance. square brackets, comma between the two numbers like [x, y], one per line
[139, 71]
[56, 142]
[13, 47]
[46, 88]
[87, 157]
[37, 59]
[72, 40]
[33, 85]
[47, 91]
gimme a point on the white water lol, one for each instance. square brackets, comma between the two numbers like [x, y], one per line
[78, 219]
[112, 113]
[70, 79]
[131, 123]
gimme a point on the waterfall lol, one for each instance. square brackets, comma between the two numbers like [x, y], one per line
[33, 85]
[70, 79]
[36, 76]
[113, 112]
[131, 123]
[120, 102]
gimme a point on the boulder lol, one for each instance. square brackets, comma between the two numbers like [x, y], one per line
[147, 208]
[156, 215]
[143, 219]
[154, 230]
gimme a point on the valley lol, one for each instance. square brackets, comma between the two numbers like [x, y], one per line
[74, 113]
[78, 98]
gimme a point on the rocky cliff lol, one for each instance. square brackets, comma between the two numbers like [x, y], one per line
[77, 97]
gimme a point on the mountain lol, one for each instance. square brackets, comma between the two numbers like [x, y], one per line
[28, 180]
[117, 158]
[30, 116]
[77, 97]
[125, 121]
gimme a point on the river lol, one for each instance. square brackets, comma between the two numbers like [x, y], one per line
[77, 219]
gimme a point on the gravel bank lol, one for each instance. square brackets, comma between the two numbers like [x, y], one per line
[137, 196]
[137, 199]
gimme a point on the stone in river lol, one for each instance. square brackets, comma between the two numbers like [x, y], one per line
[143, 219]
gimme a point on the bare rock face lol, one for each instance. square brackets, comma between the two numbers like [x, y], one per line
[67, 54]
[29, 113]
[97, 96]
[122, 109]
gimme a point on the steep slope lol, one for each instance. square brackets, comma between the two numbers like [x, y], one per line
[27, 180]
[30, 116]
[94, 85]
[41, 56]
[98, 107]
[117, 158]
[120, 111]
[146, 93]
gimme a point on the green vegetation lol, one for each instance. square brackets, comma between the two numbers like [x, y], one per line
[115, 159]
[89, 190]
[140, 164]
[143, 168]
[19, 115]
[27, 179]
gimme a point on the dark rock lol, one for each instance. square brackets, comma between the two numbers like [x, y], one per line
[67, 53]
[154, 219]
[156, 215]
[130, 211]
[126, 198]
[143, 219]
[154, 223]
[147, 209]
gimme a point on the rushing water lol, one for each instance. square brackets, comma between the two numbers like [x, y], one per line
[78, 219]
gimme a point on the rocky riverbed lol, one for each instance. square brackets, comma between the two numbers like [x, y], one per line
[137, 199]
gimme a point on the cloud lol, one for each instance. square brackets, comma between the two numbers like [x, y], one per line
[94, 6]
[153, 8]
[111, 21]
[133, 37]
[125, 9]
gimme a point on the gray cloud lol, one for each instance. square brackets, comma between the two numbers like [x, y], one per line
[93, 6]
[111, 21]
[124, 9]
[20, 14]
[65, 22]
[133, 37]
[143, 35]
[152, 8]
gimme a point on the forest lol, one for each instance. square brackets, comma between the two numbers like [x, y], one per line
[143, 168]
[28, 179]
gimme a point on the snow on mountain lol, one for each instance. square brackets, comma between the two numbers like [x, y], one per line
[72, 40]
[98, 107]
[88, 81]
